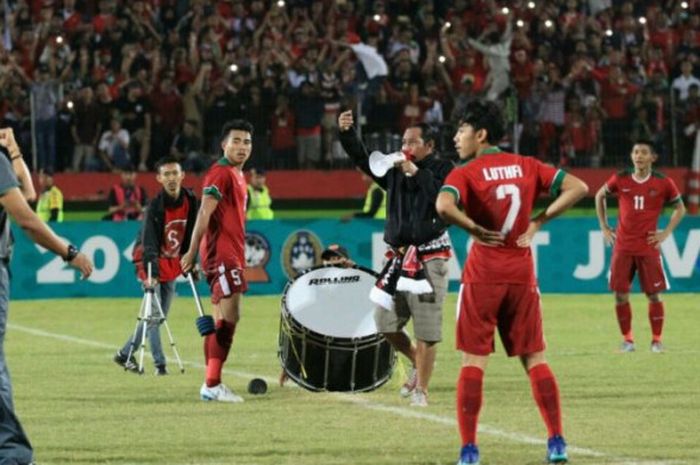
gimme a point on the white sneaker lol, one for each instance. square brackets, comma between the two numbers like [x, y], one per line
[410, 383]
[419, 398]
[220, 392]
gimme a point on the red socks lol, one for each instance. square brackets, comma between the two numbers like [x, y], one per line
[546, 394]
[656, 320]
[624, 319]
[469, 396]
[216, 349]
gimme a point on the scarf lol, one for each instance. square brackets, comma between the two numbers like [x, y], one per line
[405, 271]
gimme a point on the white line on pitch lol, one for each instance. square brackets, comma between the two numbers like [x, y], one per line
[368, 404]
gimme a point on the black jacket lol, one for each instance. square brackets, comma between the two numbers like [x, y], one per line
[151, 235]
[411, 218]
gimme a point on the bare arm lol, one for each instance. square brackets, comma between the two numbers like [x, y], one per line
[209, 204]
[572, 190]
[7, 140]
[601, 210]
[656, 238]
[13, 201]
[25, 179]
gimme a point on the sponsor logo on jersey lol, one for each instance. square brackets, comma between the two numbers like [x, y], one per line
[301, 251]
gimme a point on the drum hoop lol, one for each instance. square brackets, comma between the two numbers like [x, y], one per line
[286, 314]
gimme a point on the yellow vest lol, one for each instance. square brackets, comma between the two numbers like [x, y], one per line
[381, 213]
[259, 204]
[48, 200]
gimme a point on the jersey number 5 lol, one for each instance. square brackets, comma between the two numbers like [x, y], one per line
[513, 191]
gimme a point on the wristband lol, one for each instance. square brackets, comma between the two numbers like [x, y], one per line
[72, 253]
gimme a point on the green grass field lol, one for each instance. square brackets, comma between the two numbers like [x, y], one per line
[79, 407]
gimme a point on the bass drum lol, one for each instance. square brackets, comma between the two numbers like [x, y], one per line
[328, 340]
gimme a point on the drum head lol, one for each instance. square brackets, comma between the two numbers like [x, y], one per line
[333, 301]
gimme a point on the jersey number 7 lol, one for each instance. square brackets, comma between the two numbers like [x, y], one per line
[513, 191]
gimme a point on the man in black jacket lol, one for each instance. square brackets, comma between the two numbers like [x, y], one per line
[419, 250]
[164, 237]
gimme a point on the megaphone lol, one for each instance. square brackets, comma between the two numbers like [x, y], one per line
[380, 163]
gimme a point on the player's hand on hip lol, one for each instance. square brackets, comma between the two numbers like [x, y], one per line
[609, 235]
[83, 264]
[655, 238]
[345, 120]
[525, 239]
[487, 237]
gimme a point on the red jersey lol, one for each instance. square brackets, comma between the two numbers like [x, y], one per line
[224, 241]
[641, 204]
[498, 191]
[173, 237]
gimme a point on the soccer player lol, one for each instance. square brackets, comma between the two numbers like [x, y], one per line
[164, 237]
[221, 223]
[642, 194]
[497, 192]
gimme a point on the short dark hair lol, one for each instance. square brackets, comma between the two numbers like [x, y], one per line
[483, 114]
[428, 132]
[166, 160]
[236, 125]
[647, 142]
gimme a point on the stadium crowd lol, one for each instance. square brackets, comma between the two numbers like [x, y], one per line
[115, 82]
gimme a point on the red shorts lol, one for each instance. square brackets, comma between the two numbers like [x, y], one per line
[513, 308]
[225, 282]
[652, 278]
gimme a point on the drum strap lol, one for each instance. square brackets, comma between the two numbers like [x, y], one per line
[286, 329]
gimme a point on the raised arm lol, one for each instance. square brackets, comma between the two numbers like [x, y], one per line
[7, 140]
[354, 147]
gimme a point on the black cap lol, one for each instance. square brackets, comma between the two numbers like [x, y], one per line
[335, 251]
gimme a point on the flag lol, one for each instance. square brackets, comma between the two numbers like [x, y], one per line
[371, 60]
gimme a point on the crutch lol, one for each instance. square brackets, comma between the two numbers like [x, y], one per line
[205, 323]
[161, 317]
[144, 317]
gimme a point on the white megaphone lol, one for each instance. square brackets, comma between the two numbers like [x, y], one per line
[380, 163]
